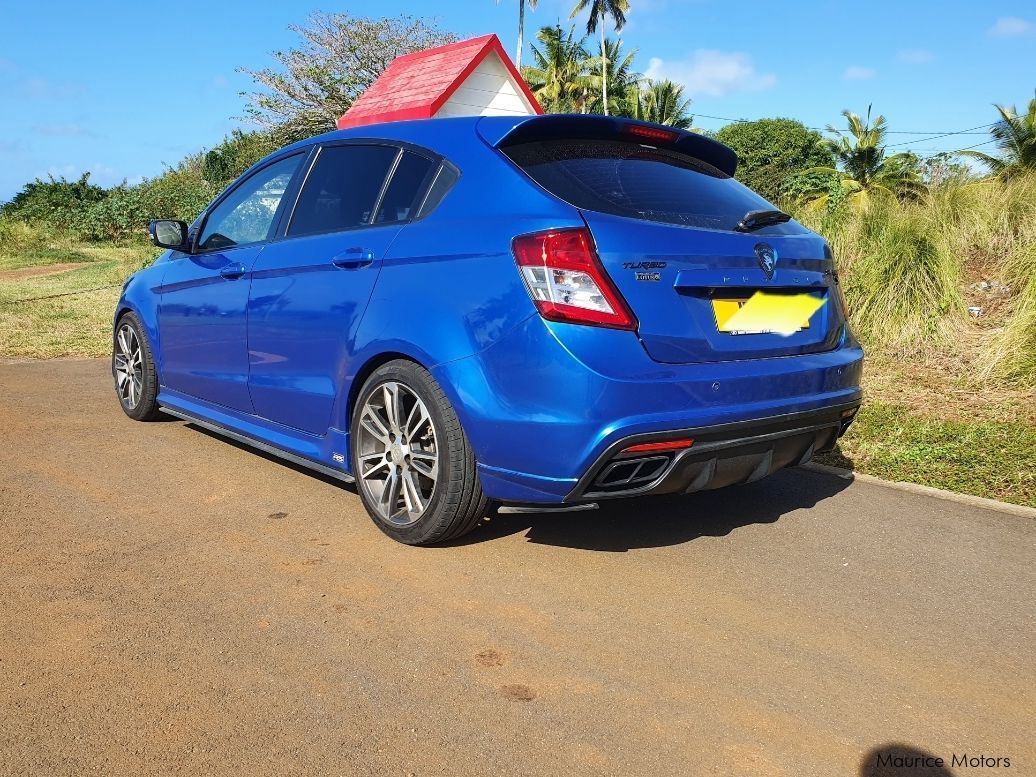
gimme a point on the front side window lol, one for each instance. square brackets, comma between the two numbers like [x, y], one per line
[245, 216]
[341, 189]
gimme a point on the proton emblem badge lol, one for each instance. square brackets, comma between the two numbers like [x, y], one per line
[767, 258]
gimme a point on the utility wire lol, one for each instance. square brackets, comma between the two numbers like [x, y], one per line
[64, 294]
[933, 133]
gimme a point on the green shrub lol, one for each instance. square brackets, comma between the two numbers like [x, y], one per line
[238, 151]
[772, 150]
[55, 202]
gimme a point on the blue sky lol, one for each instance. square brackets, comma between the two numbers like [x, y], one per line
[121, 88]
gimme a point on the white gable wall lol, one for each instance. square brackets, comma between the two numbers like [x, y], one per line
[488, 91]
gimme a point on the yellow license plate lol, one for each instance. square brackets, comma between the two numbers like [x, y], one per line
[770, 313]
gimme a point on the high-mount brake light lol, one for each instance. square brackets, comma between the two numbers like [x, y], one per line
[650, 133]
[566, 281]
[654, 447]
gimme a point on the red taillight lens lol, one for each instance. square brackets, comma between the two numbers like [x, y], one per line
[650, 133]
[652, 447]
[566, 281]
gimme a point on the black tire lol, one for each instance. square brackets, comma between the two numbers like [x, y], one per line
[139, 403]
[455, 504]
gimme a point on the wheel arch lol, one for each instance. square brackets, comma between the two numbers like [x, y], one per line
[399, 351]
[364, 372]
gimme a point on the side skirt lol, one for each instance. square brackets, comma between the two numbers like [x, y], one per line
[223, 431]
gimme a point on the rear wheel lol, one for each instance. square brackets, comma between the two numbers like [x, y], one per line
[414, 467]
[133, 369]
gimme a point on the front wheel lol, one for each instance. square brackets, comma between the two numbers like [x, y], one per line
[414, 468]
[133, 368]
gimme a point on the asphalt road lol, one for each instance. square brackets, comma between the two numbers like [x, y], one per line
[171, 603]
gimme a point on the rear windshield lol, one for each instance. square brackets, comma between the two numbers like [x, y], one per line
[639, 181]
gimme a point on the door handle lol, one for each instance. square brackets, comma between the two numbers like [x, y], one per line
[353, 258]
[232, 271]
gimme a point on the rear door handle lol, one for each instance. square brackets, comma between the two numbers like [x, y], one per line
[353, 258]
[232, 271]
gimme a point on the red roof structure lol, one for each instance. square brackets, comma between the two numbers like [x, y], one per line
[472, 77]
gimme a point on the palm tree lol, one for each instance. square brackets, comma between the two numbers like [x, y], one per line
[863, 168]
[620, 75]
[1015, 138]
[521, 29]
[663, 103]
[599, 10]
[558, 76]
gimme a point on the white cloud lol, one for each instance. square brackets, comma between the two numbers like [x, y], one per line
[1009, 27]
[711, 72]
[859, 73]
[915, 56]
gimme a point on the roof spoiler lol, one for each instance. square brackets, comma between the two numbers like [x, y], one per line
[500, 131]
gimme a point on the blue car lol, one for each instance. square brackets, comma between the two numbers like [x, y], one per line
[459, 313]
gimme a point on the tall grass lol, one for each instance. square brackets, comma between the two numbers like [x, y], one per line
[906, 265]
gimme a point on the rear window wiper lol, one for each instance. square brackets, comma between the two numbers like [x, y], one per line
[757, 219]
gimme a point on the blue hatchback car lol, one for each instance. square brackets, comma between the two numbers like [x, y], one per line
[457, 313]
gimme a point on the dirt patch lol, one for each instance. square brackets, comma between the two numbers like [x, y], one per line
[489, 657]
[36, 272]
[518, 692]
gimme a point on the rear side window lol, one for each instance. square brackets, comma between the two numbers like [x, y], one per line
[341, 189]
[630, 179]
[408, 183]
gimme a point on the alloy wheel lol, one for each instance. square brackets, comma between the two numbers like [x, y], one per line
[397, 457]
[129, 366]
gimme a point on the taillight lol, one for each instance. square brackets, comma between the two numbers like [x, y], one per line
[566, 281]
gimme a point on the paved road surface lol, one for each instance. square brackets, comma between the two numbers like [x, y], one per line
[171, 603]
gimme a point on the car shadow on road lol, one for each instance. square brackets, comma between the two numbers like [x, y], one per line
[898, 760]
[625, 524]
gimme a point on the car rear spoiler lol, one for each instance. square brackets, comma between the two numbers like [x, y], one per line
[502, 131]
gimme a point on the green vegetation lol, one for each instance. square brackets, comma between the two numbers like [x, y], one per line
[340, 56]
[1015, 138]
[600, 11]
[864, 171]
[911, 269]
[993, 459]
[563, 78]
[773, 153]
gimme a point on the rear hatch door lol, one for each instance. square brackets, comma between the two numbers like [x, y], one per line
[684, 284]
[662, 207]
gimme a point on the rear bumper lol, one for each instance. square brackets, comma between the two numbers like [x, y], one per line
[545, 405]
[721, 455]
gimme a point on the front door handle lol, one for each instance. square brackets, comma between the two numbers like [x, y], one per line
[232, 271]
[353, 258]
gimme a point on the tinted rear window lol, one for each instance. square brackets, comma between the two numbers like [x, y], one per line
[408, 184]
[340, 190]
[639, 181]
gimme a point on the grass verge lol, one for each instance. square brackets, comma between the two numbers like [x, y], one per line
[993, 459]
[75, 324]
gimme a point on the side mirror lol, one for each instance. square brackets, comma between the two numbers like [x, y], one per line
[169, 233]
